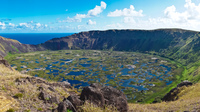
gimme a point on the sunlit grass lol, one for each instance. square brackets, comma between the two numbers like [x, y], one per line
[189, 100]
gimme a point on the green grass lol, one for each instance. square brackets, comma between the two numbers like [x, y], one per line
[15, 48]
[10, 110]
[18, 95]
[165, 90]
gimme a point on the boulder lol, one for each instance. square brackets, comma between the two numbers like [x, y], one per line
[35, 80]
[66, 84]
[32, 80]
[41, 88]
[62, 84]
[184, 83]
[48, 98]
[75, 100]
[93, 95]
[96, 85]
[102, 96]
[115, 98]
[173, 94]
[51, 89]
[4, 62]
[65, 105]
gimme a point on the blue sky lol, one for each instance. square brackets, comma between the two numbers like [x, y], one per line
[62, 16]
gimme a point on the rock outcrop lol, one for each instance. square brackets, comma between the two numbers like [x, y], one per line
[66, 105]
[4, 62]
[115, 97]
[36, 80]
[93, 95]
[100, 96]
[75, 100]
[48, 98]
[172, 95]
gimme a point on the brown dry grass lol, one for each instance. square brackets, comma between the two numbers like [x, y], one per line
[88, 107]
[7, 78]
[29, 100]
[189, 100]
[6, 103]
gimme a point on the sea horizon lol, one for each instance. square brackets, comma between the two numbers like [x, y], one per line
[33, 38]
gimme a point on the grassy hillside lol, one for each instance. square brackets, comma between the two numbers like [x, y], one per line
[24, 97]
[10, 46]
[188, 101]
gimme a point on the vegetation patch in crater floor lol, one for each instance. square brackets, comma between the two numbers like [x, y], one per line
[140, 76]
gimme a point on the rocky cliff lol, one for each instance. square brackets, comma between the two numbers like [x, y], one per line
[171, 43]
[127, 40]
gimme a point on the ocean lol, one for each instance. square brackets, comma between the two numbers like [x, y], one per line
[33, 38]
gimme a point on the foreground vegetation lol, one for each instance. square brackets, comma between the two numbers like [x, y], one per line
[24, 97]
[188, 101]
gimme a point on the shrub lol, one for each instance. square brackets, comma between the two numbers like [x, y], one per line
[69, 110]
[18, 95]
[40, 109]
[10, 110]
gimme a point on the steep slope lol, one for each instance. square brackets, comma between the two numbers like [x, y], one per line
[14, 46]
[23, 93]
[188, 102]
[172, 43]
[128, 40]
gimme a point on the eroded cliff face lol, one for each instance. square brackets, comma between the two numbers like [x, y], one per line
[127, 40]
[178, 44]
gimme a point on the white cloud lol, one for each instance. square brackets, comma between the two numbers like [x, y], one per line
[90, 22]
[171, 13]
[11, 24]
[2, 25]
[126, 12]
[97, 10]
[91, 13]
[38, 25]
[79, 17]
[24, 25]
[187, 19]
[192, 12]
[31, 26]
